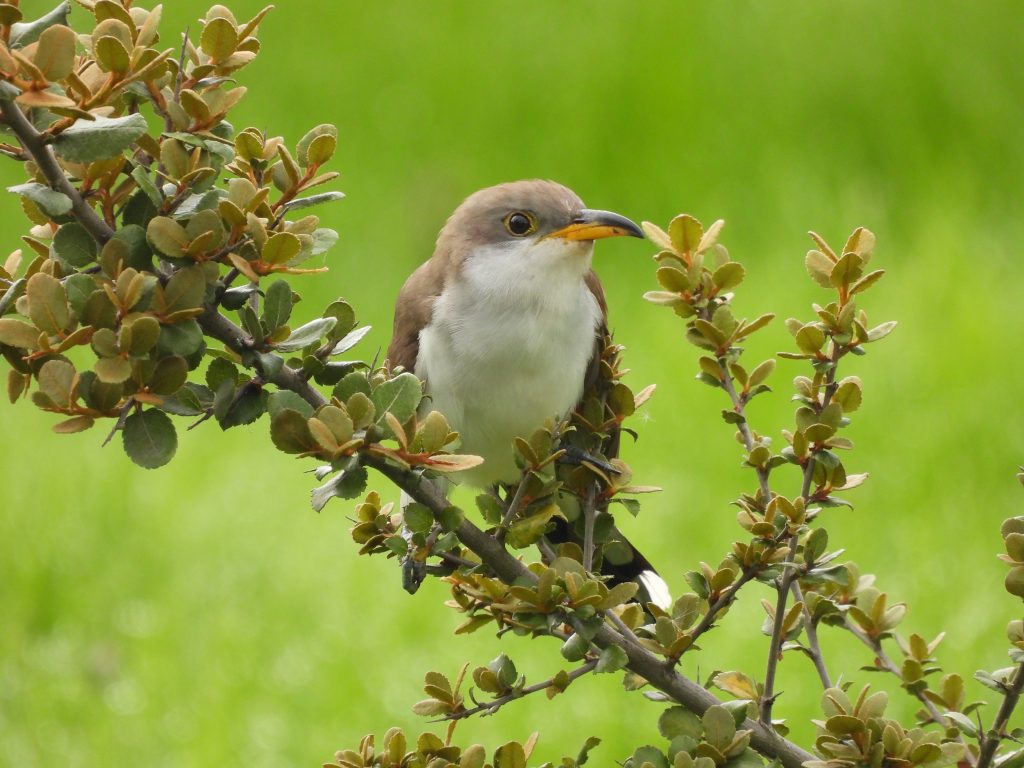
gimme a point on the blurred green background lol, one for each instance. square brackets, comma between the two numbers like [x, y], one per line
[203, 615]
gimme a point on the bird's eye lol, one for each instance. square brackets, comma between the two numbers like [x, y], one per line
[520, 224]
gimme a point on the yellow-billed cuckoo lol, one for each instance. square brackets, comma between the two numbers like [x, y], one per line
[503, 320]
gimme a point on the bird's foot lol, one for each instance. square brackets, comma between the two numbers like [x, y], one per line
[576, 456]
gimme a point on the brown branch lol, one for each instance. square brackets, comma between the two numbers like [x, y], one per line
[491, 707]
[811, 629]
[35, 144]
[989, 744]
[641, 661]
[219, 327]
[724, 601]
[739, 406]
[788, 577]
[890, 666]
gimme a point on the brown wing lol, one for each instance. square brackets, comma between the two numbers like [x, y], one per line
[594, 367]
[412, 313]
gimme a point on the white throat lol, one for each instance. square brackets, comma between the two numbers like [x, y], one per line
[508, 346]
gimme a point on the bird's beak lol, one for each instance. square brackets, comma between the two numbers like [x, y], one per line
[594, 225]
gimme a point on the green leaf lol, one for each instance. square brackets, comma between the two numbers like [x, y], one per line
[308, 202]
[431, 433]
[848, 394]
[183, 339]
[47, 303]
[104, 137]
[867, 281]
[511, 755]
[285, 398]
[729, 275]
[810, 338]
[277, 306]
[185, 290]
[399, 396]
[149, 438]
[686, 233]
[55, 54]
[167, 236]
[169, 375]
[347, 484]
[321, 149]
[1014, 581]
[350, 340]
[527, 530]
[302, 149]
[819, 267]
[678, 721]
[289, 431]
[113, 370]
[861, 242]
[247, 405]
[345, 315]
[847, 270]
[73, 244]
[307, 334]
[881, 331]
[26, 32]
[49, 201]
[56, 381]
[15, 333]
[111, 54]
[418, 517]
[323, 240]
[79, 287]
[146, 184]
[612, 659]
[719, 727]
[219, 39]
[13, 292]
[280, 248]
[648, 755]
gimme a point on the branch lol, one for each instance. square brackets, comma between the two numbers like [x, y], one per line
[641, 661]
[789, 576]
[724, 601]
[813, 646]
[890, 666]
[491, 707]
[739, 405]
[35, 144]
[989, 744]
[216, 326]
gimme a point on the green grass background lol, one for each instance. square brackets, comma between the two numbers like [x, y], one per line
[203, 615]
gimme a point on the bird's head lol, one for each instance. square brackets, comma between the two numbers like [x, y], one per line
[537, 223]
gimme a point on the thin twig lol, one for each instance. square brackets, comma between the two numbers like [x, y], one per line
[775, 645]
[890, 666]
[724, 601]
[512, 509]
[122, 417]
[491, 707]
[789, 575]
[739, 405]
[811, 630]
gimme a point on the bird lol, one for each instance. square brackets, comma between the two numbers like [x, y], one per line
[504, 320]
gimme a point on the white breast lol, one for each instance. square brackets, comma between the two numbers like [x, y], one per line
[508, 346]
